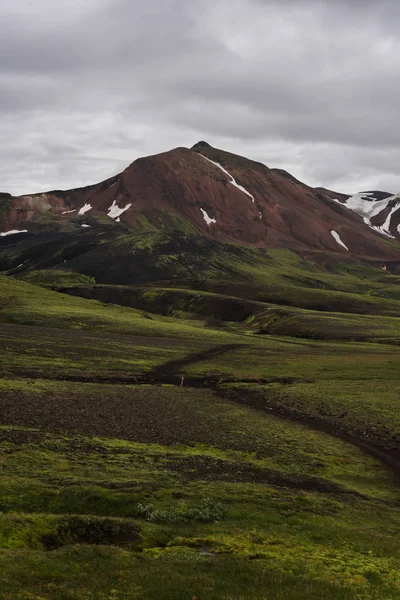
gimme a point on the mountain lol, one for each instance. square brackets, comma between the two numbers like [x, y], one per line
[213, 193]
[199, 387]
[379, 210]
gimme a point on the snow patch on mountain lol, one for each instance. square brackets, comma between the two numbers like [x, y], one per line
[13, 232]
[386, 225]
[338, 239]
[22, 264]
[84, 209]
[232, 179]
[207, 219]
[67, 212]
[115, 211]
[367, 206]
[85, 225]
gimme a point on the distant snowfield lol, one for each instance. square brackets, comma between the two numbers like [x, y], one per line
[363, 204]
[233, 180]
[207, 219]
[85, 225]
[67, 212]
[115, 211]
[84, 209]
[338, 239]
[13, 232]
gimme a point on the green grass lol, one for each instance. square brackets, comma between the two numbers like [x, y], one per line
[178, 258]
[299, 512]
[366, 406]
[255, 316]
[57, 278]
[303, 360]
[326, 325]
[194, 424]
[111, 491]
[113, 574]
[101, 340]
[27, 304]
[273, 276]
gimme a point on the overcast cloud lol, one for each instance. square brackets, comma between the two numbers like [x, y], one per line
[311, 86]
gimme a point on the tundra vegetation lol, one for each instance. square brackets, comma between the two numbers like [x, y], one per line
[271, 473]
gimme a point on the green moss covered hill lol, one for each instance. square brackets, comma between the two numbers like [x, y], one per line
[184, 418]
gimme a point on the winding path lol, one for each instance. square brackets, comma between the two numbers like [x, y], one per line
[171, 372]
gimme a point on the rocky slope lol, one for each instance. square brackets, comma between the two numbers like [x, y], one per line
[220, 195]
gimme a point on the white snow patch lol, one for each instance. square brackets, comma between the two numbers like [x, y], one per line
[84, 209]
[85, 225]
[367, 209]
[207, 219]
[24, 263]
[13, 232]
[67, 212]
[386, 226]
[115, 211]
[338, 239]
[232, 179]
[260, 215]
[118, 220]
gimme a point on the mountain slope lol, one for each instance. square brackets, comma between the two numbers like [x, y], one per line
[379, 210]
[217, 194]
[232, 429]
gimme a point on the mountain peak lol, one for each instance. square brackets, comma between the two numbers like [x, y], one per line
[219, 195]
[201, 144]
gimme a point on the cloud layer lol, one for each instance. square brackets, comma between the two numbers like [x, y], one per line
[307, 85]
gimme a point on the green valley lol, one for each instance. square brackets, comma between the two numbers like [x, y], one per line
[231, 436]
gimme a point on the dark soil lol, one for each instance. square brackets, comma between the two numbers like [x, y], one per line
[76, 529]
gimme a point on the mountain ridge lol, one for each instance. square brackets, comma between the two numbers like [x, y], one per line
[220, 195]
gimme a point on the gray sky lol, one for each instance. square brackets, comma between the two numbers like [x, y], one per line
[311, 86]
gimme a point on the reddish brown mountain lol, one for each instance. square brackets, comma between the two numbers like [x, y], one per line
[219, 194]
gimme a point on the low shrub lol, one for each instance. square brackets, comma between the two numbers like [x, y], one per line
[206, 511]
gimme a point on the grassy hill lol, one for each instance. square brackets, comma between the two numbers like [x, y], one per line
[211, 422]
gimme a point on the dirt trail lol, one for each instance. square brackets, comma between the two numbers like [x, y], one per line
[390, 458]
[175, 366]
[171, 371]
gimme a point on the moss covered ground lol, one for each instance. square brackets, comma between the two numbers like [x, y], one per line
[272, 473]
[185, 484]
